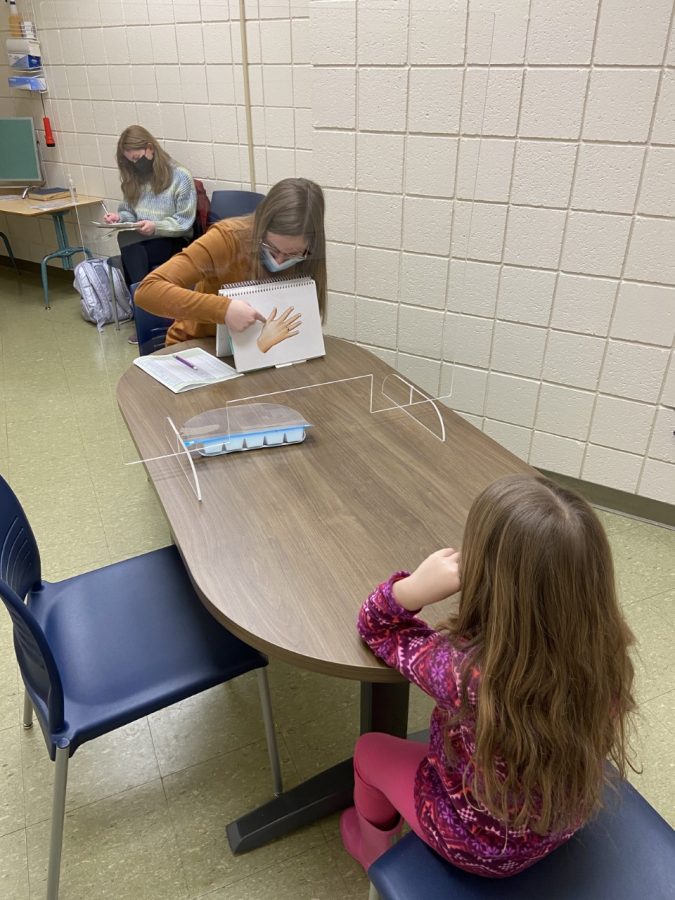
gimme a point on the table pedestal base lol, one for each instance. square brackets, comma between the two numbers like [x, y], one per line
[384, 707]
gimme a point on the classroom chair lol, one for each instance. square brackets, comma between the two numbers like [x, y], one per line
[626, 853]
[150, 329]
[106, 648]
[228, 204]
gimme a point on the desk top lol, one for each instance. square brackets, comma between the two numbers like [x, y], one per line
[288, 541]
[25, 207]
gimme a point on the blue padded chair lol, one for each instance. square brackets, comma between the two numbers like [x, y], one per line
[105, 648]
[227, 204]
[626, 853]
[150, 329]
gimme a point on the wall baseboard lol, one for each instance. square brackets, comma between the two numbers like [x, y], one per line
[654, 511]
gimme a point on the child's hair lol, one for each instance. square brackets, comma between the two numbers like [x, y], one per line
[135, 137]
[540, 616]
[295, 207]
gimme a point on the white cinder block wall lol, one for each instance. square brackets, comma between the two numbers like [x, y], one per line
[500, 178]
[501, 181]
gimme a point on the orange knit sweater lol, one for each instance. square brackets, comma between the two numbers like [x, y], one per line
[186, 286]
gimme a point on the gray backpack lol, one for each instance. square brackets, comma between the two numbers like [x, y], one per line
[92, 282]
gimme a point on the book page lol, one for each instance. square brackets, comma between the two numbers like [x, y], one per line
[117, 226]
[203, 369]
[292, 331]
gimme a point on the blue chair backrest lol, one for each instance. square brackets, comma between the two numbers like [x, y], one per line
[20, 574]
[150, 329]
[228, 204]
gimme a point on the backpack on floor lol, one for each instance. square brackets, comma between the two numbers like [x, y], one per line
[92, 282]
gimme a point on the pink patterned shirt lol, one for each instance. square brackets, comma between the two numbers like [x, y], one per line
[456, 825]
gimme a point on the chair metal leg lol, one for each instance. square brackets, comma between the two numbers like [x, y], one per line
[58, 816]
[270, 732]
[27, 711]
[372, 893]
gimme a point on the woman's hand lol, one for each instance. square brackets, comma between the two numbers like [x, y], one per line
[240, 315]
[146, 227]
[275, 330]
[434, 579]
[109, 218]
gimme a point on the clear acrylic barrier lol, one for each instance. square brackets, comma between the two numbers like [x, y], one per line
[254, 422]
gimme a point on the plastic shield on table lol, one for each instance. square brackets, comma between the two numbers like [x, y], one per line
[183, 456]
[413, 402]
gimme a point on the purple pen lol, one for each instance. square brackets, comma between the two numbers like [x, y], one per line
[184, 361]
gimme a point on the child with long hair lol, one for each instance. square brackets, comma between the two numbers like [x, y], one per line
[532, 682]
[283, 238]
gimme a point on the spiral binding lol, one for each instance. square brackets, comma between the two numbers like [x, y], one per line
[247, 288]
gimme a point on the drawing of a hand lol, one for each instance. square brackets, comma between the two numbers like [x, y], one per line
[274, 331]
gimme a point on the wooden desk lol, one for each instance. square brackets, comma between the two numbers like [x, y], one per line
[49, 207]
[287, 542]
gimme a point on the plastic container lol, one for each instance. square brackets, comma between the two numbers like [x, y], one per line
[245, 426]
[14, 20]
[23, 55]
[28, 30]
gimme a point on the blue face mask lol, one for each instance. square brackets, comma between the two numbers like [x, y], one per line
[272, 265]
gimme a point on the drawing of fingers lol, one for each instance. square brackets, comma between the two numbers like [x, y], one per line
[275, 330]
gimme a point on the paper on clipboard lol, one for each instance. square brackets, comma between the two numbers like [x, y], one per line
[117, 226]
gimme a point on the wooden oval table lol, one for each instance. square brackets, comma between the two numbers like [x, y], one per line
[287, 541]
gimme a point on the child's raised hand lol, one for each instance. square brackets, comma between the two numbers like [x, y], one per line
[434, 579]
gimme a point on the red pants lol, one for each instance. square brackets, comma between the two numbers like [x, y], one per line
[384, 778]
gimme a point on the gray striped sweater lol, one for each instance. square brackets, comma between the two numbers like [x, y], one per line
[173, 210]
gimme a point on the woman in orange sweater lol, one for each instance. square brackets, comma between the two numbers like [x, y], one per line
[285, 236]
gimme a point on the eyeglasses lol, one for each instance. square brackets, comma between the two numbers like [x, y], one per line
[276, 253]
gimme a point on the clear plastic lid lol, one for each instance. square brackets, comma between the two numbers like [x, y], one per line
[256, 423]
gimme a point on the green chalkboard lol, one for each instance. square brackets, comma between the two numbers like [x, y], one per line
[19, 160]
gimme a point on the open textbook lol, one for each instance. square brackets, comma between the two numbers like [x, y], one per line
[186, 369]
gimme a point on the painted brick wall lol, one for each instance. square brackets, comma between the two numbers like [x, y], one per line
[500, 178]
[501, 181]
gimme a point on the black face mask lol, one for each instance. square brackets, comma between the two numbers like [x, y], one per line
[143, 166]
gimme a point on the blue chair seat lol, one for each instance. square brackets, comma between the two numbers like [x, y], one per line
[626, 853]
[157, 650]
[107, 647]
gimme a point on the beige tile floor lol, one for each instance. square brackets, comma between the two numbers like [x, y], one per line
[147, 806]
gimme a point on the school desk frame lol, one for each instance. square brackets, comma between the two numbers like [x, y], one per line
[65, 251]
[363, 496]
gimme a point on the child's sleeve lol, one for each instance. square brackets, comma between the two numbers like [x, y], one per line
[169, 289]
[406, 643]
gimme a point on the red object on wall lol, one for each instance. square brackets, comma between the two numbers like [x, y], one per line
[49, 134]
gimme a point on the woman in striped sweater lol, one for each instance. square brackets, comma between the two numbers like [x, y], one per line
[159, 196]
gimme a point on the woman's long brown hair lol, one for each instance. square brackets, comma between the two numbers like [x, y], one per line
[539, 611]
[295, 207]
[135, 137]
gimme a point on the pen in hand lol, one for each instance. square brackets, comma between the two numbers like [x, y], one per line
[185, 362]
[105, 208]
